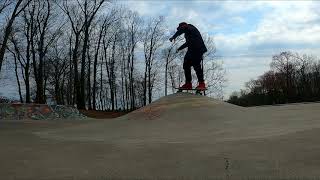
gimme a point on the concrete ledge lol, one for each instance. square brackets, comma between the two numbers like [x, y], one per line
[18, 111]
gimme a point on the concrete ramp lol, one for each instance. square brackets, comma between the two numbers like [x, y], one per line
[176, 106]
[183, 118]
[181, 136]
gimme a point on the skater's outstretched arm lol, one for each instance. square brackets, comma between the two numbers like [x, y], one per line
[178, 33]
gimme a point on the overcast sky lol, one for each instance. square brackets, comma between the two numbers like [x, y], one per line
[246, 33]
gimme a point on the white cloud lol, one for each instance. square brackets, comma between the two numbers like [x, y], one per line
[145, 8]
[288, 24]
[237, 20]
[282, 25]
[234, 7]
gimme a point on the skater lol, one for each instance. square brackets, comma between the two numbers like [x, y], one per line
[193, 57]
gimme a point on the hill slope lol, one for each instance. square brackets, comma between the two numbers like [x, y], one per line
[188, 118]
[180, 135]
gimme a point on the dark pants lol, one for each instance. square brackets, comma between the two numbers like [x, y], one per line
[193, 59]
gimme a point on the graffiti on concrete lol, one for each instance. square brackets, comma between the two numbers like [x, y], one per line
[19, 111]
[66, 111]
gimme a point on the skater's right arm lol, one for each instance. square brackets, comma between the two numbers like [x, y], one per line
[178, 33]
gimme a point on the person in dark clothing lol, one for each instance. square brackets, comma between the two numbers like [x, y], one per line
[194, 55]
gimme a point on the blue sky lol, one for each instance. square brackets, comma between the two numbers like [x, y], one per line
[246, 33]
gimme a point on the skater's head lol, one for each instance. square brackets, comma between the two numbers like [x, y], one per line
[182, 25]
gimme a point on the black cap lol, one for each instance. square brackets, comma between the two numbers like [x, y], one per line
[181, 25]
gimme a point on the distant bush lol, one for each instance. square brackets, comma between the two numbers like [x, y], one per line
[5, 100]
[292, 78]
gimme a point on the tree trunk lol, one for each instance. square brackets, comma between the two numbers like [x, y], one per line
[122, 79]
[82, 72]
[95, 70]
[166, 79]
[70, 94]
[17, 76]
[101, 87]
[145, 86]
[75, 68]
[166, 72]
[132, 80]
[149, 83]
[27, 79]
[89, 81]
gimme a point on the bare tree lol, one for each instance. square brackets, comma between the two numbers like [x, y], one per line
[80, 14]
[17, 56]
[79, 53]
[42, 23]
[4, 4]
[106, 23]
[89, 8]
[21, 42]
[77, 27]
[286, 65]
[169, 55]
[215, 76]
[214, 73]
[40, 18]
[19, 7]
[292, 78]
[134, 23]
[58, 66]
[153, 40]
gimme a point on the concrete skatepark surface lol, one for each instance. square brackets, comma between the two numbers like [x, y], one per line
[179, 136]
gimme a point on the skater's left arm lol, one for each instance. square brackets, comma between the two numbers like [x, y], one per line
[178, 33]
[183, 46]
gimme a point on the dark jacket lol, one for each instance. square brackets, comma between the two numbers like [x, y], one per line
[194, 41]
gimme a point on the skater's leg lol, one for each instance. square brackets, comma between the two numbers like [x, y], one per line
[196, 63]
[199, 71]
[187, 70]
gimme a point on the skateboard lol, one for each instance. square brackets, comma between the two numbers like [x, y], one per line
[197, 91]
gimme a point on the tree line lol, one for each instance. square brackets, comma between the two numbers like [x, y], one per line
[293, 78]
[92, 54]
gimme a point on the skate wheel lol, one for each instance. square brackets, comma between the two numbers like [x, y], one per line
[198, 92]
